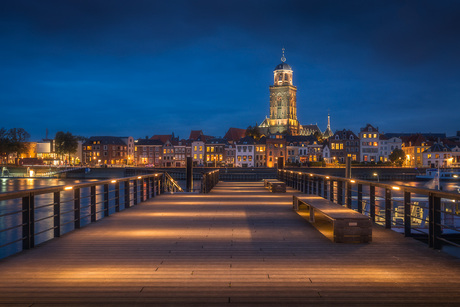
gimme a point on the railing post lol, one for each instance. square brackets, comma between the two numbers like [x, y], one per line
[147, 188]
[372, 202]
[318, 186]
[28, 222]
[135, 191]
[325, 188]
[348, 194]
[360, 198]
[117, 196]
[142, 189]
[127, 195]
[106, 200]
[340, 192]
[93, 203]
[387, 208]
[407, 214]
[57, 214]
[434, 221]
[331, 190]
[76, 207]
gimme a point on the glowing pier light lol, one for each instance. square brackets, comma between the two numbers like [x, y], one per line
[396, 188]
[68, 188]
[113, 181]
[139, 177]
[352, 181]
[327, 177]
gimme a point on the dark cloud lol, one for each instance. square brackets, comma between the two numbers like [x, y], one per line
[180, 64]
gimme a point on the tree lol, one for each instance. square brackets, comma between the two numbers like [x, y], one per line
[398, 156]
[254, 132]
[12, 141]
[65, 143]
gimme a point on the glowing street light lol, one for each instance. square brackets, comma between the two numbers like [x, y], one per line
[376, 175]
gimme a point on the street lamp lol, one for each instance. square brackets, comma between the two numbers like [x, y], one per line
[376, 175]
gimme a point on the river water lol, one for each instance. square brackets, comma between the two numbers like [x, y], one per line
[21, 184]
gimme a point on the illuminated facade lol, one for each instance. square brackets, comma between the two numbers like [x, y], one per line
[106, 150]
[370, 138]
[148, 152]
[283, 103]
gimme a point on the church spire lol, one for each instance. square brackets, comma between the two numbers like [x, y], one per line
[328, 120]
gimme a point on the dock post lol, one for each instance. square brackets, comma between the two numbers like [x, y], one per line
[189, 175]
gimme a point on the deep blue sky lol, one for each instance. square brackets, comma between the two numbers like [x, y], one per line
[140, 68]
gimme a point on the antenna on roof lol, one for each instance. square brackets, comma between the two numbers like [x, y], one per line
[283, 59]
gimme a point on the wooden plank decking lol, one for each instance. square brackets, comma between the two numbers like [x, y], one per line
[238, 245]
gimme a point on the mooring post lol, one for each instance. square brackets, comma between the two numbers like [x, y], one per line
[189, 175]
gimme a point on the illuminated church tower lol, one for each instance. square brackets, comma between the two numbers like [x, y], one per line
[283, 102]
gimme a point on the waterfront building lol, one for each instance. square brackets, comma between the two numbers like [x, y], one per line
[198, 148]
[369, 137]
[229, 155]
[215, 150]
[441, 155]
[148, 152]
[302, 149]
[129, 141]
[105, 150]
[260, 155]
[245, 152]
[327, 156]
[275, 148]
[344, 143]
[180, 153]
[387, 145]
[413, 146]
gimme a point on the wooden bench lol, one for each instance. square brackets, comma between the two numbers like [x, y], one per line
[275, 186]
[338, 223]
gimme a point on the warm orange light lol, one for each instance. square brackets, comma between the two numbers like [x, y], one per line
[139, 177]
[352, 181]
[113, 181]
[327, 177]
[68, 188]
[311, 175]
[396, 188]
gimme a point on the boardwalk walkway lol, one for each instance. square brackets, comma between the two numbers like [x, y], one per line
[238, 245]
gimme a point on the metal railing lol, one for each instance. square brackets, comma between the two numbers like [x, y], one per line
[410, 210]
[209, 180]
[49, 212]
[170, 184]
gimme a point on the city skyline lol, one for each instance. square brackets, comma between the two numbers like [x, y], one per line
[153, 68]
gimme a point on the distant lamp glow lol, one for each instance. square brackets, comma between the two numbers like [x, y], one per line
[352, 181]
[455, 176]
[68, 188]
[139, 177]
[376, 175]
[113, 181]
[396, 188]
[327, 177]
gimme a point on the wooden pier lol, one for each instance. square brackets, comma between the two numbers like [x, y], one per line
[238, 245]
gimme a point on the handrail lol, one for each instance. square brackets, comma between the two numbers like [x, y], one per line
[209, 180]
[85, 206]
[385, 208]
[172, 184]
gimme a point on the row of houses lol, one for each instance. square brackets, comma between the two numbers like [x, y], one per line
[236, 149]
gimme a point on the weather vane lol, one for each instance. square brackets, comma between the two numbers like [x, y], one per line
[283, 59]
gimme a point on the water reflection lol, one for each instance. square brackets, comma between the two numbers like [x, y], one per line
[11, 210]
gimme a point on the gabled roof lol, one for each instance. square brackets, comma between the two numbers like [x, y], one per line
[370, 128]
[248, 140]
[234, 134]
[162, 137]
[106, 140]
[195, 134]
[141, 142]
[439, 147]
[414, 140]
[295, 139]
[217, 141]
[344, 135]
[313, 128]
